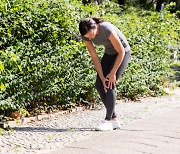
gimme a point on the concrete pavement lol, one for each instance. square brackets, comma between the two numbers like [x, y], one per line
[160, 134]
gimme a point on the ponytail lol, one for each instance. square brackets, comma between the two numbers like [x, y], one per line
[98, 20]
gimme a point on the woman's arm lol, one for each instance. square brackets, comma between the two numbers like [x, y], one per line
[121, 52]
[96, 61]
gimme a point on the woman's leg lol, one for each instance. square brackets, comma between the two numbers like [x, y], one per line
[109, 98]
[106, 63]
[100, 89]
[111, 93]
[123, 65]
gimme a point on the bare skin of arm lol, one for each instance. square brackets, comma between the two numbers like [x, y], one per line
[96, 61]
[121, 53]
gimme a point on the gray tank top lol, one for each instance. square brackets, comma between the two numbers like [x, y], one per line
[102, 38]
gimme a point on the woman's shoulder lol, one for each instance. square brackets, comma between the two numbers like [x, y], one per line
[106, 29]
[107, 26]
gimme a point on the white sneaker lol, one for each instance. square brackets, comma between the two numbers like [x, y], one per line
[116, 124]
[105, 126]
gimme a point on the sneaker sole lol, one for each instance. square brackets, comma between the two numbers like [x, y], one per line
[116, 128]
[96, 129]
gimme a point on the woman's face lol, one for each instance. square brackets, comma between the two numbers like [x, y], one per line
[91, 34]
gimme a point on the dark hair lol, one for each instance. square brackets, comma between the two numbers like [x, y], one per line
[88, 23]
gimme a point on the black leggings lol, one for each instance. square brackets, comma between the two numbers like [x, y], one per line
[109, 98]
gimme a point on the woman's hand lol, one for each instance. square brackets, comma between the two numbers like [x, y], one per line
[112, 80]
[105, 83]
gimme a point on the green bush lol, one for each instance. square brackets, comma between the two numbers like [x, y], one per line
[151, 38]
[39, 60]
[44, 64]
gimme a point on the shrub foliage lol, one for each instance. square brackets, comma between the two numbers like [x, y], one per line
[43, 62]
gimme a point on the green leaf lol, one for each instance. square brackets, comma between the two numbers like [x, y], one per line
[2, 87]
[1, 66]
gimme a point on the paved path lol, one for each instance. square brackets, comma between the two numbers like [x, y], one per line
[158, 134]
[147, 126]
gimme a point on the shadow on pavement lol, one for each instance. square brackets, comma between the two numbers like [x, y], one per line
[48, 129]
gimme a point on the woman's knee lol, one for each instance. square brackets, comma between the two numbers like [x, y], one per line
[111, 91]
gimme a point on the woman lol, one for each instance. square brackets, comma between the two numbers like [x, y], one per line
[115, 59]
